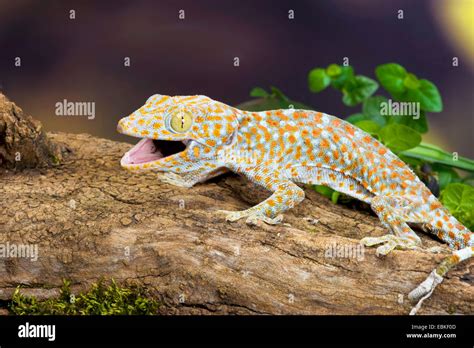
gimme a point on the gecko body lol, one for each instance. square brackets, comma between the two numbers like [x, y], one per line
[280, 149]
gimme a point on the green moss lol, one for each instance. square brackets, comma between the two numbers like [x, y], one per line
[55, 160]
[101, 299]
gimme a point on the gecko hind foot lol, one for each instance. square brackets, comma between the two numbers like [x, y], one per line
[389, 243]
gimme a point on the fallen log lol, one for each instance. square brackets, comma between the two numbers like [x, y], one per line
[90, 219]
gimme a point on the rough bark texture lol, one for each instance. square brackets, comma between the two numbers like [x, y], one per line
[92, 219]
[23, 143]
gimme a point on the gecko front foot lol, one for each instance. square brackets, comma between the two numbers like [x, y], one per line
[256, 219]
[389, 242]
[253, 218]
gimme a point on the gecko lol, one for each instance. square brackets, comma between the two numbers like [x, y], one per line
[282, 149]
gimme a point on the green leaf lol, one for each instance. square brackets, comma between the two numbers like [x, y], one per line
[446, 175]
[324, 190]
[354, 118]
[426, 94]
[277, 93]
[431, 153]
[391, 77]
[318, 80]
[399, 137]
[459, 199]
[411, 81]
[357, 89]
[333, 70]
[258, 92]
[274, 101]
[335, 196]
[368, 126]
[372, 107]
[410, 160]
[405, 86]
[347, 73]
[420, 124]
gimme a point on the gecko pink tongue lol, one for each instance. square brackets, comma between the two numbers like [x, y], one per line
[145, 151]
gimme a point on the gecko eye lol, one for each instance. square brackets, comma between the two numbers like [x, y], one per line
[181, 121]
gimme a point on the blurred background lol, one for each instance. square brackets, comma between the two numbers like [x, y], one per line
[83, 59]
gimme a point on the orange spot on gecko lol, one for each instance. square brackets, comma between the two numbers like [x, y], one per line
[349, 129]
[325, 143]
[367, 139]
[290, 128]
[466, 237]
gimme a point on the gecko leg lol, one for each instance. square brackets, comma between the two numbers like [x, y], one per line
[393, 212]
[286, 195]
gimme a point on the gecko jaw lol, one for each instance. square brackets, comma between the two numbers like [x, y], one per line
[150, 150]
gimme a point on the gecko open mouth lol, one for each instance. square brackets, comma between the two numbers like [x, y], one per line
[150, 150]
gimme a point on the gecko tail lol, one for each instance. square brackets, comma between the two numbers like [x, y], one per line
[426, 288]
[447, 228]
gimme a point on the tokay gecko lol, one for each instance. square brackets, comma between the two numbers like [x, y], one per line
[278, 149]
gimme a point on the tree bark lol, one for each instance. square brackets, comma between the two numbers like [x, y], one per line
[91, 219]
[23, 143]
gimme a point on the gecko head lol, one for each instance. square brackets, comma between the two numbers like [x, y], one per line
[169, 126]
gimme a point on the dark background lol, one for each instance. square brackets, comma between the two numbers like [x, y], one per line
[82, 59]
